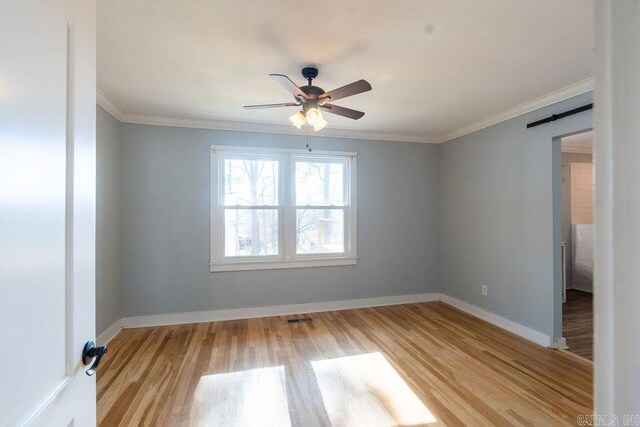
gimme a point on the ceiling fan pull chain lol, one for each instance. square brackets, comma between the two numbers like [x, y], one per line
[308, 147]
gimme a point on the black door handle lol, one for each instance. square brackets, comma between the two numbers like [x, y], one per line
[89, 352]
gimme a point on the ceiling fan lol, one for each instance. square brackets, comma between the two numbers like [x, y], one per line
[314, 99]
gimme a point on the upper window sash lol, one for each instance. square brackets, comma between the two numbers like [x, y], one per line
[338, 169]
[277, 201]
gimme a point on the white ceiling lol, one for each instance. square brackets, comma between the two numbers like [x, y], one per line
[435, 65]
[578, 143]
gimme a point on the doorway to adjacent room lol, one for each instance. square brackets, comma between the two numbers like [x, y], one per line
[578, 183]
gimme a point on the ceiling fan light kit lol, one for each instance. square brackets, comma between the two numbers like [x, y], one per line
[312, 99]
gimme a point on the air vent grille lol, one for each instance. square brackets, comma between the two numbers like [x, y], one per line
[300, 320]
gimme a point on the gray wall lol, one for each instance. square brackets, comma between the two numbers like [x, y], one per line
[165, 225]
[567, 159]
[108, 272]
[500, 216]
[484, 208]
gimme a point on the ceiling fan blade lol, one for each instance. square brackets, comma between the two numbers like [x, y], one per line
[342, 111]
[284, 104]
[348, 90]
[289, 85]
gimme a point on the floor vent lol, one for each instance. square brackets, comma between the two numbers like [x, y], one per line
[299, 320]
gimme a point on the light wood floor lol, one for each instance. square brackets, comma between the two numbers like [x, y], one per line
[577, 322]
[414, 364]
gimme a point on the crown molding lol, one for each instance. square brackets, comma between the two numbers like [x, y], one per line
[158, 120]
[566, 92]
[229, 125]
[110, 107]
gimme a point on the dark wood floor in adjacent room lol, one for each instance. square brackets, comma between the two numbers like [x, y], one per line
[577, 322]
[414, 364]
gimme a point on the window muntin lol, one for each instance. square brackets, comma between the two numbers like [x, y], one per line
[281, 208]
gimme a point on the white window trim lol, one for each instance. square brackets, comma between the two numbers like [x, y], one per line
[287, 236]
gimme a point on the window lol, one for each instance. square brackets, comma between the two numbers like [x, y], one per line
[275, 208]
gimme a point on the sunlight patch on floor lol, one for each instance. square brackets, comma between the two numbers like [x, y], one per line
[365, 390]
[255, 397]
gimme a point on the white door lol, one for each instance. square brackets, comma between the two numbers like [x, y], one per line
[47, 211]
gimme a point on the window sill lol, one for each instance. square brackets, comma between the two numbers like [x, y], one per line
[272, 265]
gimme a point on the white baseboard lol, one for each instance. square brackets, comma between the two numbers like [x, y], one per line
[276, 310]
[108, 334]
[288, 309]
[501, 322]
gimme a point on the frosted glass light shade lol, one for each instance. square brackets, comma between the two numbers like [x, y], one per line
[320, 125]
[297, 119]
[314, 116]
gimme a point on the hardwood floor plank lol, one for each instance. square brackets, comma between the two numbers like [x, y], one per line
[577, 322]
[443, 366]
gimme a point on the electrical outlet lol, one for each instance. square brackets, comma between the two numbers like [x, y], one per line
[485, 290]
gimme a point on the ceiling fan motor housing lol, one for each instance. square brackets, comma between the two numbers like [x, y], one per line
[312, 91]
[309, 73]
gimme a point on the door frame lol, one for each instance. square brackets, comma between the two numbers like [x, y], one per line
[556, 149]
